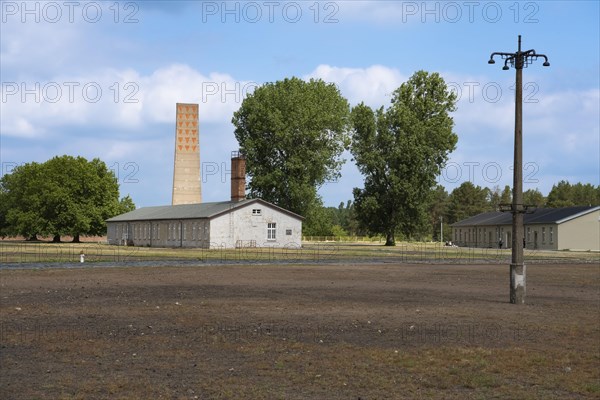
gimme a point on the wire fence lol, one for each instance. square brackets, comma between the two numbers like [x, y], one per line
[15, 253]
[21, 253]
[45, 252]
[344, 239]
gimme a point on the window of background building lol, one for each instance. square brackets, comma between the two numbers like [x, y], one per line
[543, 234]
[271, 231]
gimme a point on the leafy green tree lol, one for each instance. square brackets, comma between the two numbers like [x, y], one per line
[497, 197]
[63, 196]
[563, 194]
[560, 195]
[350, 223]
[337, 230]
[345, 217]
[292, 133]
[493, 197]
[319, 221]
[126, 204]
[506, 196]
[533, 197]
[437, 213]
[466, 201]
[22, 200]
[585, 194]
[400, 151]
[4, 228]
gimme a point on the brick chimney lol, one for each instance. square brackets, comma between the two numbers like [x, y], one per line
[238, 176]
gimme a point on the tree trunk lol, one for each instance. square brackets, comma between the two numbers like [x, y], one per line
[56, 239]
[390, 240]
[76, 239]
[33, 238]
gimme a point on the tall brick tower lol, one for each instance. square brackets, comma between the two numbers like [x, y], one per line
[186, 173]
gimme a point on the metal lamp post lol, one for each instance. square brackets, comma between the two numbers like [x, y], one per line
[518, 60]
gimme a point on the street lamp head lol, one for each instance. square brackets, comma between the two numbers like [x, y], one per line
[546, 64]
[491, 61]
[505, 68]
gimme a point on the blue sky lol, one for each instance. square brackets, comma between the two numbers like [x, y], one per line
[101, 79]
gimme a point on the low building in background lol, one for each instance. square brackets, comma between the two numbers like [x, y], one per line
[227, 224]
[567, 228]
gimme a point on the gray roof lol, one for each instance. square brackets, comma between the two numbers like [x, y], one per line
[190, 211]
[539, 216]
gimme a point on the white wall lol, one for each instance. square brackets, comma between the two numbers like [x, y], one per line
[582, 233]
[248, 227]
[226, 230]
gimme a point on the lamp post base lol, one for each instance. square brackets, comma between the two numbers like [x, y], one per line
[517, 283]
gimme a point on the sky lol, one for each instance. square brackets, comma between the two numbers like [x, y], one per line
[101, 79]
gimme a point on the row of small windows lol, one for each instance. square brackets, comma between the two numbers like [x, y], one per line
[550, 234]
[481, 235]
[197, 231]
[177, 230]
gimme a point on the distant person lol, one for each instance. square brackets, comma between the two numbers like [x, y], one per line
[500, 243]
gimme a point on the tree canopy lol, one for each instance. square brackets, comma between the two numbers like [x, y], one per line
[400, 151]
[468, 200]
[496, 197]
[438, 207]
[533, 197]
[563, 194]
[64, 196]
[292, 133]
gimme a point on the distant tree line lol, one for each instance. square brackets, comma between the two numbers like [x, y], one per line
[463, 202]
[63, 196]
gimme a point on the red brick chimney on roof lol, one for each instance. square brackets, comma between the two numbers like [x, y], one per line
[238, 176]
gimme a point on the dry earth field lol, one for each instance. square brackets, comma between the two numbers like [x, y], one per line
[318, 331]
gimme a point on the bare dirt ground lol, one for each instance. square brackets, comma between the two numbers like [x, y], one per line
[379, 331]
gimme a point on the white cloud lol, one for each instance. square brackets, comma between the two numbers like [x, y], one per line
[373, 84]
[118, 100]
[127, 100]
[218, 94]
[37, 48]
[20, 126]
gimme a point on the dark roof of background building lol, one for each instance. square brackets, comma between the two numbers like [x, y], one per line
[539, 216]
[190, 211]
